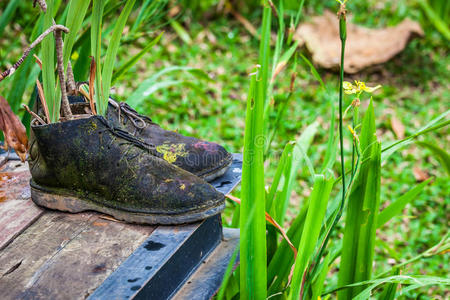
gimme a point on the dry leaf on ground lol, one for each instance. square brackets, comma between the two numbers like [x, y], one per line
[13, 130]
[365, 47]
[398, 127]
[419, 174]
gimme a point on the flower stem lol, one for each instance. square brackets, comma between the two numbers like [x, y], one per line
[343, 37]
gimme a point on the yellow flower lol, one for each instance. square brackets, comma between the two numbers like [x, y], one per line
[358, 87]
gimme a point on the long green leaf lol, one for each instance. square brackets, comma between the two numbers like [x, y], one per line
[96, 47]
[317, 207]
[397, 206]
[362, 210]
[7, 14]
[282, 261]
[416, 281]
[147, 87]
[431, 126]
[111, 53]
[141, 14]
[317, 285]
[313, 71]
[389, 290]
[278, 174]
[264, 51]
[48, 66]
[298, 155]
[75, 17]
[253, 238]
[438, 23]
[133, 60]
[440, 154]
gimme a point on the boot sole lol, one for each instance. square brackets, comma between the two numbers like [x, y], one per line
[217, 172]
[73, 204]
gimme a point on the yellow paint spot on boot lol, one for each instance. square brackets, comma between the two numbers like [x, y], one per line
[182, 187]
[171, 152]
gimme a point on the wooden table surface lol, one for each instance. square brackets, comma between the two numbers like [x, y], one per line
[53, 255]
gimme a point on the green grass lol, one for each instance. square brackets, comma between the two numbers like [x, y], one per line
[214, 108]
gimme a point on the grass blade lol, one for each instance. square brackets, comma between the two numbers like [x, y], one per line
[397, 206]
[227, 275]
[313, 71]
[317, 207]
[437, 22]
[181, 32]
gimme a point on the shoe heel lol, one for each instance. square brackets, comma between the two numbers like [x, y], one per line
[45, 198]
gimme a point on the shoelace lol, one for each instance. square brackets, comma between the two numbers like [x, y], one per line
[122, 134]
[139, 121]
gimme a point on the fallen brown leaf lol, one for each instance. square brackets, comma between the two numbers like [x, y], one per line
[13, 130]
[364, 47]
[398, 127]
[419, 174]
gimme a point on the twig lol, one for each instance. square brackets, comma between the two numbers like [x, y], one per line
[71, 80]
[62, 80]
[41, 3]
[42, 97]
[34, 114]
[274, 9]
[92, 70]
[39, 39]
[38, 61]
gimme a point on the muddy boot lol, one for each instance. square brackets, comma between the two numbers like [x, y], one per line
[87, 164]
[204, 159]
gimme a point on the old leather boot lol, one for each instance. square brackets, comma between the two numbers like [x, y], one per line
[87, 164]
[204, 159]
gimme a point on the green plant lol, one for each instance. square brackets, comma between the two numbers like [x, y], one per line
[304, 276]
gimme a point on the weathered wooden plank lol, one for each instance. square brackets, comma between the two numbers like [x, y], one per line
[204, 283]
[226, 183]
[17, 211]
[164, 261]
[66, 256]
